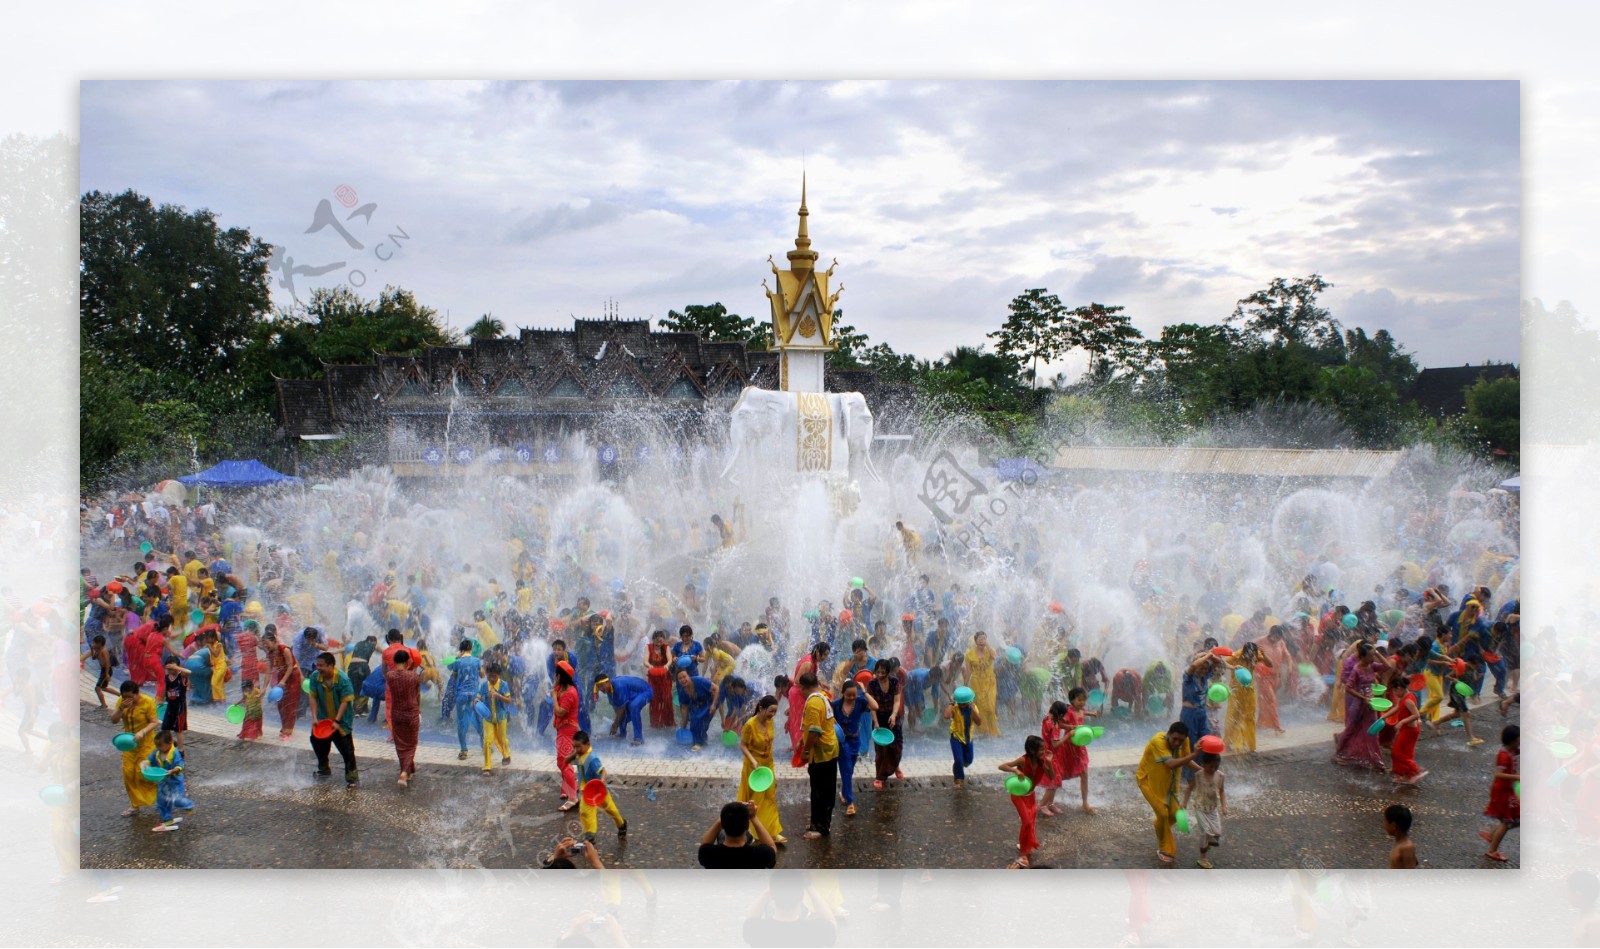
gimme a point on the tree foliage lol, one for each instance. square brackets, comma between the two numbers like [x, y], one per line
[1494, 413]
[167, 288]
[338, 325]
[487, 327]
[714, 324]
[1285, 313]
[1035, 330]
[1109, 337]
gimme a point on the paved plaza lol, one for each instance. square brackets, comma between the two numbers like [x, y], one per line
[259, 806]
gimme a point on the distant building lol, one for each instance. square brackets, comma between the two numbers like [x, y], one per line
[514, 402]
[1441, 393]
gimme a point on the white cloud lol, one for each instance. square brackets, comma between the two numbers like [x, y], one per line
[941, 200]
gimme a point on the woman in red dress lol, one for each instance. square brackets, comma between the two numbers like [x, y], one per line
[1034, 765]
[660, 682]
[405, 711]
[1406, 721]
[1073, 759]
[811, 662]
[564, 695]
[1057, 736]
[1267, 695]
[286, 676]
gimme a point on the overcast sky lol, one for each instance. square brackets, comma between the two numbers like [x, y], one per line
[941, 200]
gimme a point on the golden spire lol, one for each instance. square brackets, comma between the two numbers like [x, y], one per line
[802, 257]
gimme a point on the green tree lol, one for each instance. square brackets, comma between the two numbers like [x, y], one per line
[997, 371]
[1382, 354]
[1108, 336]
[892, 366]
[338, 325]
[1036, 330]
[1368, 405]
[1286, 313]
[487, 327]
[1194, 363]
[849, 345]
[168, 288]
[714, 324]
[1494, 413]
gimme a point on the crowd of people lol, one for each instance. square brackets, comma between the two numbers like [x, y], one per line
[353, 621]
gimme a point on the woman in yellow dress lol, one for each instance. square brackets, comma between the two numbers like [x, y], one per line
[1158, 776]
[178, 587]
[755, 742]
[1336, 703]
[136, 713]
[978, 674]
[430, 668]
[1239, 728]
[219, 665]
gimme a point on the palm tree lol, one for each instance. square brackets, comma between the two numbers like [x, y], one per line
[487, 327]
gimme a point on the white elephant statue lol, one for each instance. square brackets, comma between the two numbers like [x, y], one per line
[823, 432]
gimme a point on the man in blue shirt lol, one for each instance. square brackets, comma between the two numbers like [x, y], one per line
[733, 698]
[466, 673]
[924, 689]
[630, 696]
[228, 618]
[696, 695]
[924, 602]
[686, 646]
[307, 650]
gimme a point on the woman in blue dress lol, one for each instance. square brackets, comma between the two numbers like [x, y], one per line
[850, 709]
[1196, 678]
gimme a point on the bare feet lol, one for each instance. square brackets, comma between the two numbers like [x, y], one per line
[1087, 809]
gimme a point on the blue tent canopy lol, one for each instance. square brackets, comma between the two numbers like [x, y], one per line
[1018, 469]
[237, 474]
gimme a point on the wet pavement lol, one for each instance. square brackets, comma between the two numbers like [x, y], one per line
[259, 806]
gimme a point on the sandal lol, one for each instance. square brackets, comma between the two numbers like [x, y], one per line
[1021, 863]
[570, 805]
[850, 811]
[130, 812]
[1164, 858]
[1487, 837]
[163, 828]
[1497, 856]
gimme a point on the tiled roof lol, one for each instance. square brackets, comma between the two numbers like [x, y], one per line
[608, 362]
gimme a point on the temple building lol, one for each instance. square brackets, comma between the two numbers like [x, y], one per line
[514, 403]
